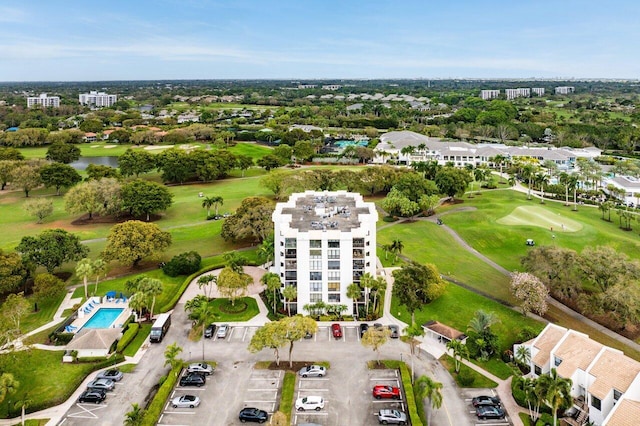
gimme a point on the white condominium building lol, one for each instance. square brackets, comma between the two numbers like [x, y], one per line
[43, 101]
[538, 91]
[565, 90]
[97, 99]
[521, 92]
[324, 241]
[489, 94]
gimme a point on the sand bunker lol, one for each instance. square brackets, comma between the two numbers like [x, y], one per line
[539, 216]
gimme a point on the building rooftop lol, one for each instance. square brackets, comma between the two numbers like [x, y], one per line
[325, 211]
[576, 351]
[612, 370]
[626, 414]
[546, 342]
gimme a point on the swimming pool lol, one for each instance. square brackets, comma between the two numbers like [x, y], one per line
[346, 143]
[103, 318]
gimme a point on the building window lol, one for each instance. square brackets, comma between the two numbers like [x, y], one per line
[358, 253]
[291, 253]
[334, 243]
[616, 395]
[315, 265]
[537, 370]
[334, 298]
[358, 264]
[315, 286]
[334, 264]
[334, 276]
[315, 254]
[596, 403]
[291, 275]
[291, 264]
[315, 243]
[333, 286]
[557, 361]
[358, 242]
[315, 276]
[333, 254]
[315, 297]
[290, 242]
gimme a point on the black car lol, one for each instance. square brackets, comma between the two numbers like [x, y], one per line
[489, 412]
[363, 328]
[209, 331]
[93, 395]
[395, 331]
[485, 400]
[193, 379]
[251, 414]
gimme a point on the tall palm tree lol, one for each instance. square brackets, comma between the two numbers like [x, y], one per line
[397, 246]
[499, 160]
[354, 292]
[541, 179]
[426, 387]
[151, 287]
[289, 293]
[459, 350]
[273, 283]
[99, 269]
[523, 355]
[367, 282]
[208, 281]
[564, 180]
[84, 268]
[171, 355]
[135, 416]
[557, 392]
[138, 302]
[207, 202]
[528, 172]
[377, 286]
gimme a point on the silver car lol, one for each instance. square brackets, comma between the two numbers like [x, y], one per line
[222, 331]
[200, 367]
[111, 374]
[104, 384]
[312, 371]
[392, 417]
[185, 401]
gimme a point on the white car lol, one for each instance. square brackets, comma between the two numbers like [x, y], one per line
[310, 403]
[185, 401]
[200, 367]
[312, 371]
[222, 331]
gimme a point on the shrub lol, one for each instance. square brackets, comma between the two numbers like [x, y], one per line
[60, 338]
[152, 414]
[414, 417]
[183, 264]
[527, 333]
[466, 378]
[127, 337]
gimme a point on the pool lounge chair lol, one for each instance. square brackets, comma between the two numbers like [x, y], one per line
[118, 300]
[70, 328]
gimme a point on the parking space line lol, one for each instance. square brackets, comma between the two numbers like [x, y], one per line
[313, 413]
[191, 413]
[190, 388]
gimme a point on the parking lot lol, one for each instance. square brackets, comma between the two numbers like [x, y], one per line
[469, 394]
[88, 412]
[232, 387]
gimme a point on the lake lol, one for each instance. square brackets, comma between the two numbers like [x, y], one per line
[83, 162]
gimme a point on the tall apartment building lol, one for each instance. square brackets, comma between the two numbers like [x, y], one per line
[43, 101]
[538, 91]
[324, 241]
[565, 90]
[489, 94]
[522, 92]
[97, 99]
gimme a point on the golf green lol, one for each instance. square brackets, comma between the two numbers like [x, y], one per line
[539, 216]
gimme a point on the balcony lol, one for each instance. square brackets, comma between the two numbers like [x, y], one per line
[578, 415]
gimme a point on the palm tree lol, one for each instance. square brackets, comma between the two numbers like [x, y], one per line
[207, 202]
[135, 416]
[273, 283]
[499, 160]
[354, 292]
[205, 316]
[84, 268]
[572, 182]
[533, 394]
[523, 355]
[414, 330]
[387, 249]
[289, 293]
[377, 286]
[171, 356]
[541, 179]
[267, 249]
[208, 280]
[397, 246]
[99, 269]
[367, 282]
[459, 350]
[564, 179]
[151, 287]
[217, 201]
[138, 302]
[528, 171]
[426, 387]
[557, 392]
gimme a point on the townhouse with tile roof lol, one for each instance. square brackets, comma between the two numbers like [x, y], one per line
[605, 382]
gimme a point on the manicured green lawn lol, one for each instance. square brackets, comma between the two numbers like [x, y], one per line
[133, 347]
[223, 314]
[479, 381]
[287, 395]
[46, 310]
[44, 379]
[253, 150]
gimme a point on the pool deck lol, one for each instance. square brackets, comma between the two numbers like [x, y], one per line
[84, 317]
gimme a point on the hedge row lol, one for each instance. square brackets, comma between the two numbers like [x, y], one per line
[405, 374]
[127, 337]
[152, 414]
[172, 302]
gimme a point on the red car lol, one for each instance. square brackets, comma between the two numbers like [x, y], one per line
[336, 330]
[384, 391]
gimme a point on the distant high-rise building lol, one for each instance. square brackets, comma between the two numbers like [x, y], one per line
[538, 91]
[43, 101]
[97, 99]
[565, 90]
[489, 94]
[521, 92]
[331, 87]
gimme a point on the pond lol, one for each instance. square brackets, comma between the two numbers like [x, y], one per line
[83, 162]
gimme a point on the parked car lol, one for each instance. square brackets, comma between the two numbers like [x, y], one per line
[392, 417]
[312, 371]
[308, 335]
[310, 403]
[104, 384]
[200, 367]
[111, 374]
[486, 400]
[386, 391]
[208, 332]
[251, 414]
[222, 331]
[363, 329]
[395, 331]
[193, 379]
[93, 395]
[489, 412]
[185, 401]
[377, 325]
[336, 330]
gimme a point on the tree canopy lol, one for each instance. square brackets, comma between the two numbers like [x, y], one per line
[133, 240]
[416, 284]
[252, 220]
[142, 198]
[52, 248]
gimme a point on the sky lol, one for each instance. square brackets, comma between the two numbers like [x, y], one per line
[91, 40]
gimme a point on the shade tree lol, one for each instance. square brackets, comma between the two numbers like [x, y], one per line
[132, 241]
[58, 175]
[40, 208]
[51, 248]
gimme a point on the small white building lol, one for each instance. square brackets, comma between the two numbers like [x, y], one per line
[94, 342]
[629, 184]
[324, 241]
[43, 101]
